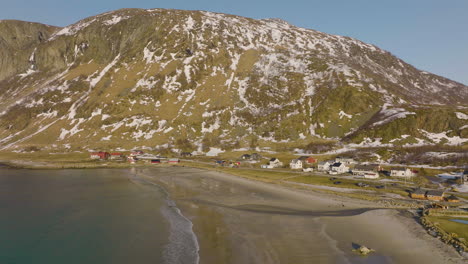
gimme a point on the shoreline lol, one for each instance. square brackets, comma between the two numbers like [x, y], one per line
[251, 212]
[181, 234]
[284, 202]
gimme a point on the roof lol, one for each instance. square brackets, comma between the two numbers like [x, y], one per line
[435, 193]
[419, 191]
[398, 169]
[452, 197]
[295, 160]
[303, 157]
[366, 167]
[273, 159]
[337, 164]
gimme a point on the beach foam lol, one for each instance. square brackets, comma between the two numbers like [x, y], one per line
[183, 244]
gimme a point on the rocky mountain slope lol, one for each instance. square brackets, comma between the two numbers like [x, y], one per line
[194, 79]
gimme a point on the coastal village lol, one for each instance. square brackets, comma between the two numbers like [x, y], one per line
[436, 198]
[366, 175]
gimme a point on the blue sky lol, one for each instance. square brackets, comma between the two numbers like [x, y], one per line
[432, 35]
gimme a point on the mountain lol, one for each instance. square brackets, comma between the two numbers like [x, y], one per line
[194, 79]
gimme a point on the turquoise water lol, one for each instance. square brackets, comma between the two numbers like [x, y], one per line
[89, 216]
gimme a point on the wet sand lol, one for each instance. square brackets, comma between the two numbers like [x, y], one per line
[243, 221]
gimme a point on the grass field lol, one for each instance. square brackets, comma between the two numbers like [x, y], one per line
[285, 177]
[451, 227]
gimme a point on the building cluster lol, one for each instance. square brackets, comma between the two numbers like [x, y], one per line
[340, 165]
[432, 195]
[462, 176]
[132, 157]
[226, 163]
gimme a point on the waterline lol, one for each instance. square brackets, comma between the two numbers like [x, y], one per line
[183, 245]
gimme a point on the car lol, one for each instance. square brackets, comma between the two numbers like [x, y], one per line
[332, 178]
[337, 182]
[379, 186]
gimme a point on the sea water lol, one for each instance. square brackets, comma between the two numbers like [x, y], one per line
[90, 216]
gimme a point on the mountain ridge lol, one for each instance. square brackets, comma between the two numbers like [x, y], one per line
[159, 76]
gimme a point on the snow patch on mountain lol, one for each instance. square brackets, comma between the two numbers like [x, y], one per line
[389, 114]
[71, 30]
[442, 136]
[343, 114]
[114, 20]
[96, 80]
[461, 115]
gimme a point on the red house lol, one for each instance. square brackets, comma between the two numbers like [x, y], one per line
[307, 159]
[99, 155]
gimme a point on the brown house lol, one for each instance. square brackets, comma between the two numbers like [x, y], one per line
[453, 199]
[418, 194]
[434, 195]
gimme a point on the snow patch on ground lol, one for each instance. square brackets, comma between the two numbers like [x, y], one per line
[241, 149]
[461, 116]
[443, 155]
[211, 127]
[48, 114]
[213, 152]
[106, 138]
[68, 133]
[343, 114]
[369, 142]
[40, 130]
[27, 73]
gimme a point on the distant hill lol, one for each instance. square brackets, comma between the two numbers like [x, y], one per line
[193, 79]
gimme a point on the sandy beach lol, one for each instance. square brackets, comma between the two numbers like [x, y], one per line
[243, 221]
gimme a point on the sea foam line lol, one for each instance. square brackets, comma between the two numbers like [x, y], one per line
[183, 244]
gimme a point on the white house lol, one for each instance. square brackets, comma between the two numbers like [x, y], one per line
[295, 164]
[266, 166]
[344, 160]
[367, 171]
[307, 169]
[338, 168]
[323, 166]
[275, 163]
[401, 172]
